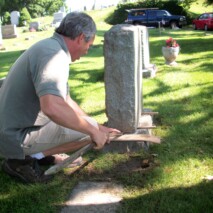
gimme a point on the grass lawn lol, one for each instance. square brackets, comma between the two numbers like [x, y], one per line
[182, 95]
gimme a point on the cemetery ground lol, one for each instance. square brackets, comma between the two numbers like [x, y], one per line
[174, 178]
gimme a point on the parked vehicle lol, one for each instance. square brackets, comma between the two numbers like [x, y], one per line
[154, 17]
[203, 22]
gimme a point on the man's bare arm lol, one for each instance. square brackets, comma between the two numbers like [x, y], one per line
[75, 106]
[60, 112]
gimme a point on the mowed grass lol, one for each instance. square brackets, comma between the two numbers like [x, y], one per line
[183, 97]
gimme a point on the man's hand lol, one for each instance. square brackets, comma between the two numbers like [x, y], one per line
[102, 136]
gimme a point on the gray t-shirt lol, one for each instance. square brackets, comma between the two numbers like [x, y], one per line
[40, 70]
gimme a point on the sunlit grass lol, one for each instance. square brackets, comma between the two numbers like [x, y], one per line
[183, 96]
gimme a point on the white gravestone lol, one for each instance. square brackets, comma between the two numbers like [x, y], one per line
[58, 17]
[14, 17]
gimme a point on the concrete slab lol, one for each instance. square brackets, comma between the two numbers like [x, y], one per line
[94, 197]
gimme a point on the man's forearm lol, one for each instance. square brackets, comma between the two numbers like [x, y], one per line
[60, 112]
[75, 106]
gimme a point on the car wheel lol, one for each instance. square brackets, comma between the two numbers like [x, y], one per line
[194, 27]
[173, 24]
[136, 23]
[206, 28]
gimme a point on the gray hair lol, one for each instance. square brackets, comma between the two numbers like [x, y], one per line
[76, 23]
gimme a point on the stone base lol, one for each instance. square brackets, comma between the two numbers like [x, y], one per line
[10, 36]
[150, 71]
[2, 47]
[145, 120]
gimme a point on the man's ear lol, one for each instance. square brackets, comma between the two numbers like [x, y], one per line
[80, 37]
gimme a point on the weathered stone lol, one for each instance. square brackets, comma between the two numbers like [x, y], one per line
[123, 76]
[14, 17]
[94, 197]
[149, 70]
[9, 31]
[57, 17]
[35, 25]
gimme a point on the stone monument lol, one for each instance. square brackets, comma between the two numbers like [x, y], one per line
[57, 17]
[125, 52]
[123, 76]
[14, 17]
[34, 25]
[149, 70]
[9, 31]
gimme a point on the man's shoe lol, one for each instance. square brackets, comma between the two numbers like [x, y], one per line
[46, 161]
[27, 170]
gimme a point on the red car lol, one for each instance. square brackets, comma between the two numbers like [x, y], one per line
[203, 22]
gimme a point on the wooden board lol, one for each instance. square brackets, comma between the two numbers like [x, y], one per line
[136, 137]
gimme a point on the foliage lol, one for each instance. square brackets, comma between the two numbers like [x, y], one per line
[24, 17]
[186, 3]
[6, 18]
[35, 7]
[209, 2]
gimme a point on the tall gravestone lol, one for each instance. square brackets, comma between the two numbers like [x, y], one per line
[125, 53]
[123, 76]
[14, 17]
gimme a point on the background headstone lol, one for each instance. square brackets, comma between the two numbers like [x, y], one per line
[35, 25]
[14, 17]
[57, 17]
[9, 31]
[63, 9]
[149, 70]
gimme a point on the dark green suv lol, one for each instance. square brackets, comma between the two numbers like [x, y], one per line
[154, 17]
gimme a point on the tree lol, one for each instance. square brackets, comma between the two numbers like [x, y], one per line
[35, 7]
[209, 2]
[6, 18]
[24, 17]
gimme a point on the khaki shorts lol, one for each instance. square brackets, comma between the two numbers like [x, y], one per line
[52, 135]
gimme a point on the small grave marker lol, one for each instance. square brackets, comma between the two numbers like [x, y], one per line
[34, 25]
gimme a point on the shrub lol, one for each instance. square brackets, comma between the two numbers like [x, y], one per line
[6, 18]
[24, 17]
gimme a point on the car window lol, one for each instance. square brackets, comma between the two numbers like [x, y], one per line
[205, 16]
[211, 15]
[201, 17]
[161, 13]
[138, 13]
